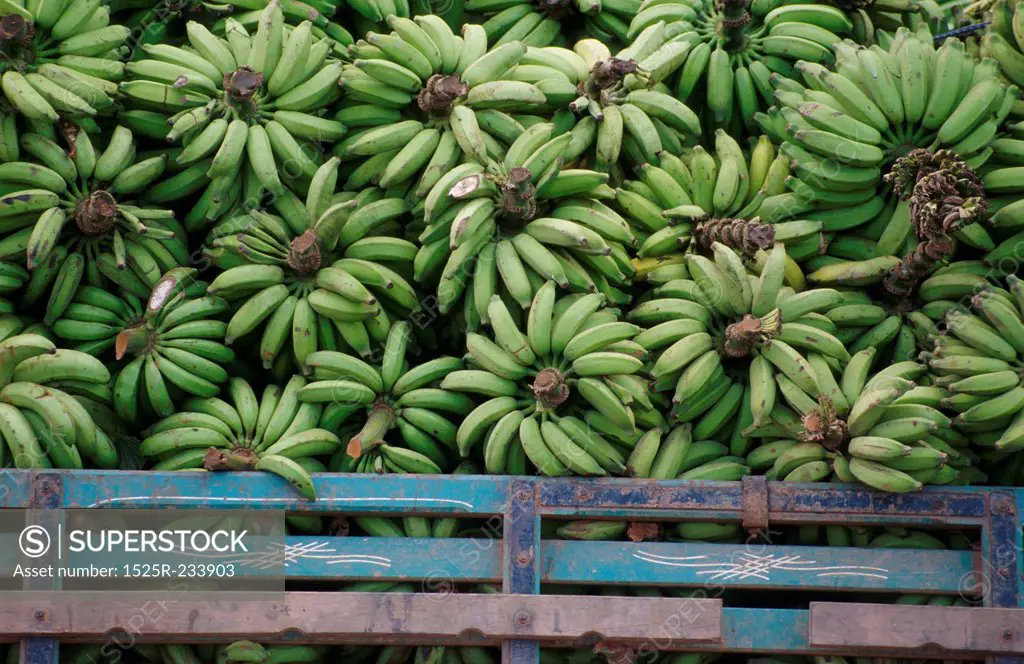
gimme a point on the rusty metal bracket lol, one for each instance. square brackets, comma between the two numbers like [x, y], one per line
[47, 488]
[521, 541]
[326, 618]
[922, 630]
[755, 503]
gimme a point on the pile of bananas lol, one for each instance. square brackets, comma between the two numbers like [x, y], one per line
[650, 238]
[60, 60]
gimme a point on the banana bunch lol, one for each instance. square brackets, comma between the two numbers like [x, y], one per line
[42, 426]
[70, 217]
[882, 429]
[393, 395]
[159, 23]
[540, 23]
[1006, 223]
[860, 322]
[724, 310]
[12, 278]
[889, 537]
[564, 394]
[377, 11]
[274, 432]
[680, 454]
[590, 531]
[369, 654]
[527, 220]
[318, 12]
[1003, 39]
[888, 433]
[242, 100]
[978, 357]
[802, 390]
[420, 100]
[238, 652]
[12, 324]
[249, 652]
[728, 51]
[60, 59]
[173, 341]
[626, 106]
[173, 14]
[679, 203]
[326, 275]
[851, 131]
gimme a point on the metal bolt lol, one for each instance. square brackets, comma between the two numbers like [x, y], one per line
[41, 615]
[524, 557]
[1007, 634]
[584, 493]
[523, 618]
[1002, 505]
[522, 494]
[1004, 572]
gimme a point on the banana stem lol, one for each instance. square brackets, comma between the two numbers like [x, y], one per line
[732, 24]
[380, 421]
[238, 459]
[135, 340]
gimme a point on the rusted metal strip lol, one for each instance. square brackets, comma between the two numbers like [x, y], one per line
[788, 503]
[374, 617]
[521, 543]
[47, 488]
[755, 503]
[921, 630]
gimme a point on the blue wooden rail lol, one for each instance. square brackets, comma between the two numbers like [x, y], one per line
[521, 561]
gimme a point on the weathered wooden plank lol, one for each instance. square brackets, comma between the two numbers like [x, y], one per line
[338, 617]
[756, 565]
[925, 629]
[786, 631]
